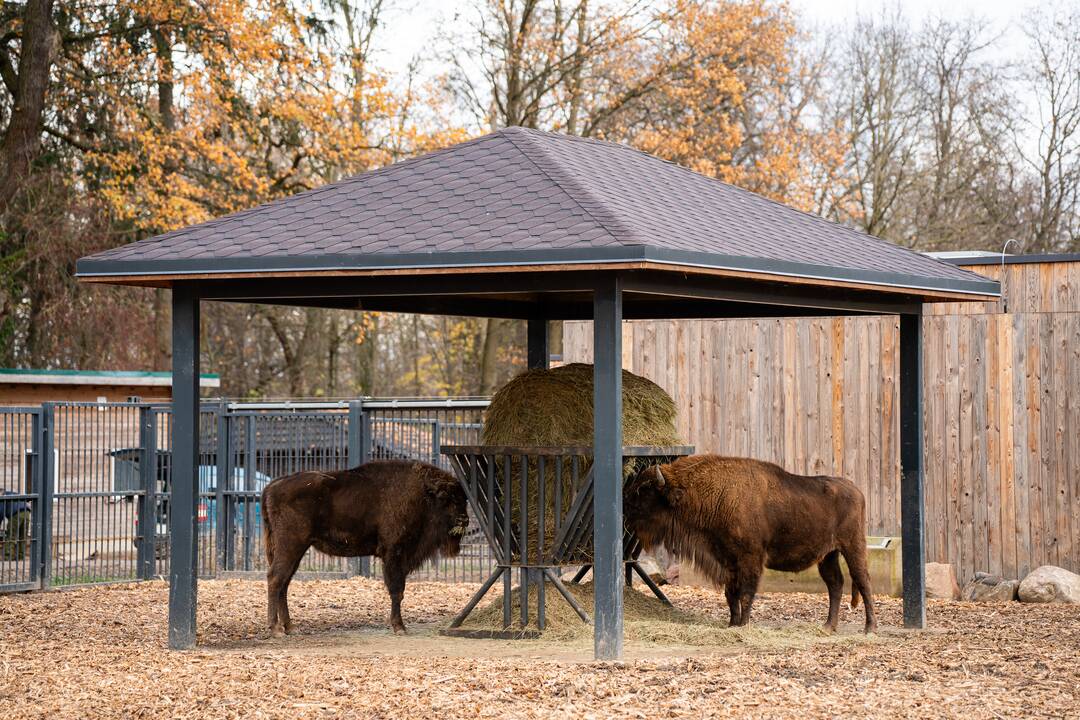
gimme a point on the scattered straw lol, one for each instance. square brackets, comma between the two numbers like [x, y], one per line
[646, 619]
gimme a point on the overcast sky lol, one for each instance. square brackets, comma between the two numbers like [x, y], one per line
[411, 25]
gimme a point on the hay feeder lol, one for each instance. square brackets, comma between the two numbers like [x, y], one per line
[535, 507]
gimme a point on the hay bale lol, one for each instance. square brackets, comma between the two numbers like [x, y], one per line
[553, 408]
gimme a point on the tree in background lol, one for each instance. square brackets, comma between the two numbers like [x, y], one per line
[123, 120]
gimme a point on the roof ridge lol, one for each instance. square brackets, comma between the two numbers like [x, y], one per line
[589, 203]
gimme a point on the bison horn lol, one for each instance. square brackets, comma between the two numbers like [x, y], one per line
[660, 476]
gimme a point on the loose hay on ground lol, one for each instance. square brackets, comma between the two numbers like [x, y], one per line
[647, 620]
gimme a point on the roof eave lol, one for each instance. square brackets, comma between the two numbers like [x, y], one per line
[146, 272]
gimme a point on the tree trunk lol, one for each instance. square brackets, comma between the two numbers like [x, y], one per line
[22, 141]
[489, 358]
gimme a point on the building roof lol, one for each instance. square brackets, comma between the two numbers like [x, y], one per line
[985, 257]
[124, 378]
[521, 197]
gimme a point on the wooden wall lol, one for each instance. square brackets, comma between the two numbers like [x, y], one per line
[820, 395]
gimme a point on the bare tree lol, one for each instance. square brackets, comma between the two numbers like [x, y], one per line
[1053, 74]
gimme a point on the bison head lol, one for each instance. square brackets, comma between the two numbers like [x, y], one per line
[453, 507]
[647, 507]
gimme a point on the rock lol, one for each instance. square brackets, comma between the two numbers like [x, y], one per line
[941, 582]
[650, 566]
[1050, 584]
[673, 574]
[990, 588]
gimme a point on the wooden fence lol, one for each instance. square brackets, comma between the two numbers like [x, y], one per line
[820, 395]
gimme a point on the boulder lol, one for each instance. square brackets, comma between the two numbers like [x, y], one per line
[990, 589]
[941, 582]
[1050, 584]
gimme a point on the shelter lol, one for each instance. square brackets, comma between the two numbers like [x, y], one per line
[538, 226]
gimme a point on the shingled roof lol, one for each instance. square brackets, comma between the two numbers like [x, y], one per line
[524, 197]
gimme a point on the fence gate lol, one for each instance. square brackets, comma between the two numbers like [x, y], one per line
[22, 510]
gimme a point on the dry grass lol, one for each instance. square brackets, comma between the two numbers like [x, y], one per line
[100, 652]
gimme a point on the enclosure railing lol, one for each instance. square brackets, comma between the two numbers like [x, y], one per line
[104, 514]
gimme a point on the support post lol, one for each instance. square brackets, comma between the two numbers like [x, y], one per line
[538, 355]
[223, 477]
[607, 470]
[147, 502]
[357, 565]
[48, 489]
[912, 525]
[183, 555]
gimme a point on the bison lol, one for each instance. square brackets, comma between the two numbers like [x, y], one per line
[400, 511]
[733, 517]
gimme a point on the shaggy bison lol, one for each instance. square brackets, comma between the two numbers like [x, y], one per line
[400, 511]
[732, 517]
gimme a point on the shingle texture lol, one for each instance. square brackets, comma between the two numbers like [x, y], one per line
[529, 192]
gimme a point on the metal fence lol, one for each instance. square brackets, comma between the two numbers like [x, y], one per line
[104, 514]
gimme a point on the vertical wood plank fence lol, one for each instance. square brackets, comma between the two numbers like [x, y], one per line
[820, 395]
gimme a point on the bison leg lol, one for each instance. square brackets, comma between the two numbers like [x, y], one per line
[278, 576]
[394, 577]
[748, 575]
[855, 555]
[829, 568]
[731, 593]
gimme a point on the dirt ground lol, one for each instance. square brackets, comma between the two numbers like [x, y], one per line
[100, 652]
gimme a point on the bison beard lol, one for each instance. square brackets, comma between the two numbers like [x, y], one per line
[733, 517]
[402, 512]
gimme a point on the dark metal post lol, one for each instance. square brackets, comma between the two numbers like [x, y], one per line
[147, 482]
[183, 555]
[223, 501]
[357, 566]
[912, 526]
[607, 470]
[48, 488]
[35, 486]
[250, 469]
[538, 343]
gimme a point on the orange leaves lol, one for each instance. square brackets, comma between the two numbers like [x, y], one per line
[223, 104]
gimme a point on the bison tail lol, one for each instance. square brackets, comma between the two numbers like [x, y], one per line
[854, 595]
[268, 534]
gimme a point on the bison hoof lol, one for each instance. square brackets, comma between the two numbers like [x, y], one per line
[870, 629]
[277, 631]
[399, 629]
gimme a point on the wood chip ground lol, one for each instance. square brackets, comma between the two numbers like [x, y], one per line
[100, 652]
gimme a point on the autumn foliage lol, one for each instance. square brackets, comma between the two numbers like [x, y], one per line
[125, 119]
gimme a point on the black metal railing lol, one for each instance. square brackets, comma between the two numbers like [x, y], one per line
[104, 514]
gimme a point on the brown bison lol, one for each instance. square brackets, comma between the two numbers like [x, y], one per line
[400, 511]
[732, 517]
